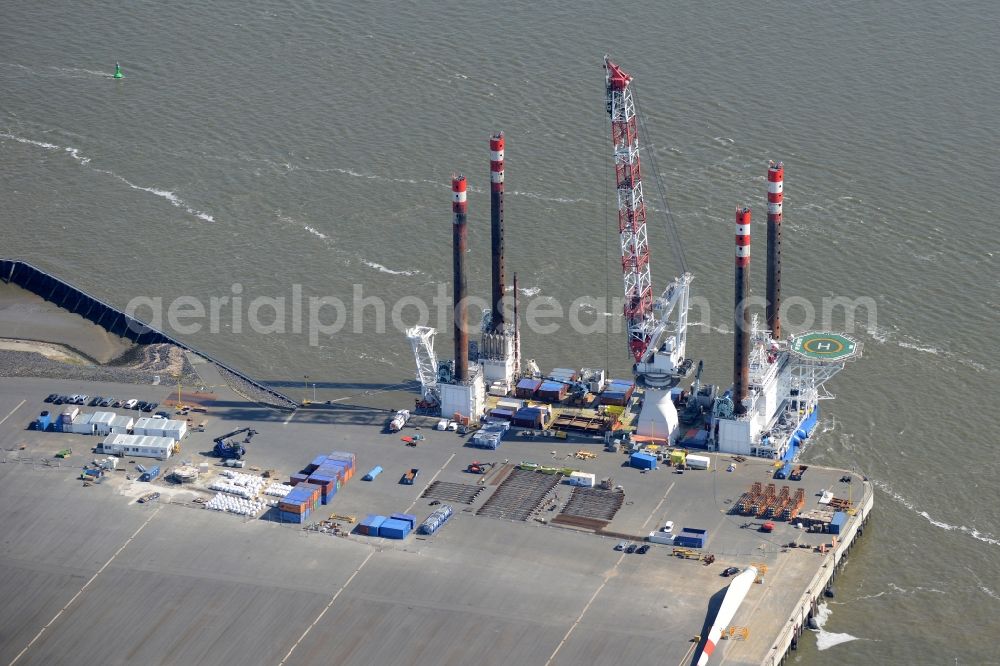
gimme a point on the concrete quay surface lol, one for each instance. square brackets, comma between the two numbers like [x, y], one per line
[92, 576]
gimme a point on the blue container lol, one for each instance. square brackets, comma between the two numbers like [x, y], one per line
[296, 479]
[642, 461]
[838, 523]
[343, 456]
[297, 495]
[394, 529]
[290, 517]
[150, 473]
[406, 518]
[372, 473]
[44, 421]
[314, 465]
[691, 537]
[370, 524]
[332, 467]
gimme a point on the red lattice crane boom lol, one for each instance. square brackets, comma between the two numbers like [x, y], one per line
[638, 309]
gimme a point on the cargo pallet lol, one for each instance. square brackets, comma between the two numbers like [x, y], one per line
[520, 495]
[462, 493]
[594, 503]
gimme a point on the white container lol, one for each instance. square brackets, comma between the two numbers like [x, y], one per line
[661, 537]
[698, 462]
[583, 479]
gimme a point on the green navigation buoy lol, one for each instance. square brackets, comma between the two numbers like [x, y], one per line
[118, 71]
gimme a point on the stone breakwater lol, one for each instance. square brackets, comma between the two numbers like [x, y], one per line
[253, 392]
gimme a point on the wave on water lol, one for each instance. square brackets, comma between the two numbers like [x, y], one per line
[542, 197]
[80, 70]
[314, 232]
[75, 154]
[383, 269]
[827, 639]
[917, 347]
[971, 531]
[30, 142]
[84, 161]
[531, 291]
[166, 194]
[77, 72]
[717, 329]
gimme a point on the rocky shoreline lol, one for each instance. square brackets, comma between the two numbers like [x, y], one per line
[254, 393]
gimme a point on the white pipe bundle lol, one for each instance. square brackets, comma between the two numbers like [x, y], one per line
[231, 489]
[237, 505]
[278, 489]
[255, 483]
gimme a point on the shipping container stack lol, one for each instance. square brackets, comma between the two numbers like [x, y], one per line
[618, 392]
[316, 485]
[299, 503]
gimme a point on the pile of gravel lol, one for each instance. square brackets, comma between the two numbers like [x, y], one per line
[139, 365]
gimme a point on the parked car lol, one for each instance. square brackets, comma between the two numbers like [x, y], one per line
[161, 415]
[116, 403]
[643, 549]
[96, 401]
[150, 406]
[58, 401]
[52, 397]
[130, 404]
[107, 402]
[730, 571]
[452, 426]
[668, 527]
[442, 425]
[631, 548]
[140, 405]
[622, 545]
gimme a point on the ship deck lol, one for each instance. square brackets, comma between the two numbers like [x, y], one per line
[96, 575]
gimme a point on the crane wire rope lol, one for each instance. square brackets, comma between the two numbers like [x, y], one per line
[673, 235]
